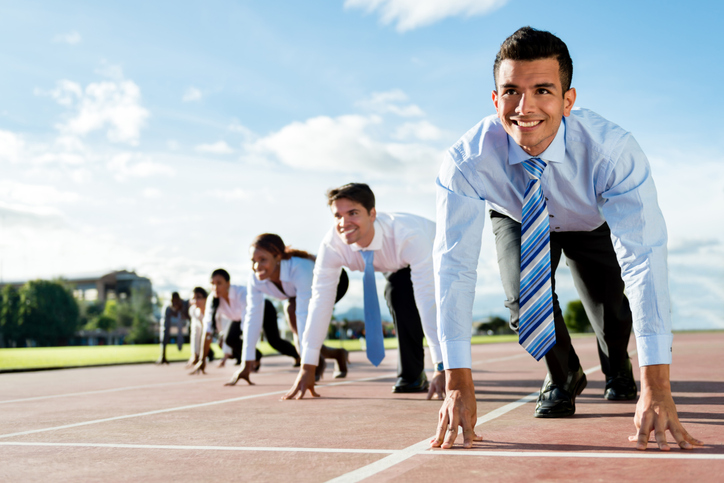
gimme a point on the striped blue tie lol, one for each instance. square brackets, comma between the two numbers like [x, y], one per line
[374, 337]
[536, 330]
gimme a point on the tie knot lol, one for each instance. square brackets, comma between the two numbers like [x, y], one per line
[368, 256]
[534, 167]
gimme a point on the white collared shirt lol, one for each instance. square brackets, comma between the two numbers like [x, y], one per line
[401, 240]
[296, 276]
[596, 173]
[233, 309]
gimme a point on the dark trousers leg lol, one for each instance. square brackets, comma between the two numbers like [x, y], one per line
[401, 302]
[597, 278]
[233, 338]
[562, 356]
[271, 332]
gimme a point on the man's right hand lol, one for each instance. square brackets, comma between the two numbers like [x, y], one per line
[304, 383]
[459, 409]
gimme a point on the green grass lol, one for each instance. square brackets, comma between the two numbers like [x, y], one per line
[56, 357]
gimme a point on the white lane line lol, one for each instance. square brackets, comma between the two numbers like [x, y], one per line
[501, 359]
[423, 447]
[634, 454]
[423, 451]
[205, 448]
[199, 378]
[181, 408]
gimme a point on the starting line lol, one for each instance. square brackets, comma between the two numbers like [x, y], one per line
[427, 452]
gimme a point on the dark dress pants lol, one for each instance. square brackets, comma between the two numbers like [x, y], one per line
[271, 332]
[400, 299]
[597, 278]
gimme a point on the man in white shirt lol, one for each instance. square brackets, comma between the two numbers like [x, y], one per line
[402, 245]
[602, 213]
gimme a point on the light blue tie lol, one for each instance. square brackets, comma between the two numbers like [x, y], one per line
[373, 320]
[536, 330]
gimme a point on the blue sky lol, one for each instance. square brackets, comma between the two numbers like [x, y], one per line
[163, 136]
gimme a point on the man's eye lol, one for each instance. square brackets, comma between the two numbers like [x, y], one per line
[509, 92]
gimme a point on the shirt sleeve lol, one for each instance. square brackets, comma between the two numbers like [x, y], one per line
[417, 251]
[208, 313]
[638, 232]
[460, 220]
[302, 278]
[252, 319]
[327, 270]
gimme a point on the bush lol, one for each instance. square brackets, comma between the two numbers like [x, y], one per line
[576, 318]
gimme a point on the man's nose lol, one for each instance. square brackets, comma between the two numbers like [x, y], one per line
[525, 105]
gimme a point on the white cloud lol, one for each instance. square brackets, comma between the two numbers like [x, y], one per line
[112, 105]
[339, 144]
[12, 146]
[219, 147]
[230, 195]
[70, 38]
[423, 130]
[412, 14]
[192, 94]
[389, 102]
[151, 193]
[34, 195]
[129, 165]
[247, 134]
[109, 70]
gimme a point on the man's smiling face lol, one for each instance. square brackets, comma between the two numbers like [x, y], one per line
[352, 222]
[531, 103]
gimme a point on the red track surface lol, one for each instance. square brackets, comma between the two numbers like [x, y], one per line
[150, 423]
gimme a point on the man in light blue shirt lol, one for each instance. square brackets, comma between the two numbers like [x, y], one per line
[603, 215]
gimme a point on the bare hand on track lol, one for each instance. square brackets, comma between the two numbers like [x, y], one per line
[459, 409]
[437, 386]
[242, 373]
[656, 411]
[304, 383]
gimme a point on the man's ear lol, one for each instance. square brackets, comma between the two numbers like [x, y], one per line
[569, 99]
[495, 102]
[373, 214]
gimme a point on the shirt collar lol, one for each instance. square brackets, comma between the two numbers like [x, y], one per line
[376, 243]
[555, 153]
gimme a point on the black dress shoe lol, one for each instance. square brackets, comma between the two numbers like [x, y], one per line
[621, 386]
[560, 401]
[418, 385]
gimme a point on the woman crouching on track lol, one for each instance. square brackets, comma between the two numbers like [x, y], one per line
[285, 274]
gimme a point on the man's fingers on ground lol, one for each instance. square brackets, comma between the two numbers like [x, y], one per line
[660, 436]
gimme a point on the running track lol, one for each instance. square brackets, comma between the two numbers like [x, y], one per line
[149, 423]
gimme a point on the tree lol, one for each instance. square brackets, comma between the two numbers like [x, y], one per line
[140, 309]
[576, 318]
[9, 305]
[48, 312]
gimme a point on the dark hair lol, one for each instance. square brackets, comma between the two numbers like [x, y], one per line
[357, 192]
[200, 292]
[528, 43]
[175, 295]
[221, 272]
[275, 245]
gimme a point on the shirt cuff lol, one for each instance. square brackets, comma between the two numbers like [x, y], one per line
[310, 356]
[654, 349]
[435, 353]
[457, 354]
